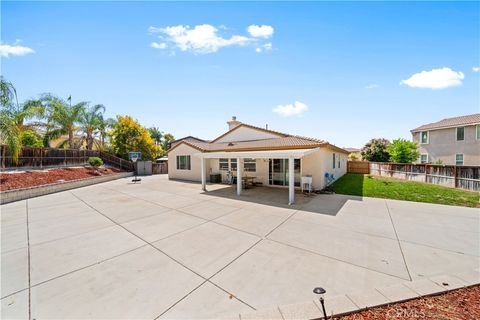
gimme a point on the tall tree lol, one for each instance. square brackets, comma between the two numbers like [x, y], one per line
[403, 151]
[156, 135]
[376, 150]
[104, 127]
[14, 117]
[167, 140]
[128, 135]
[91, 122]
[63, 117]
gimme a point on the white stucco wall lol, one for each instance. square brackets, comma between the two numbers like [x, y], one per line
[246, 134]
[194, 174]
[321, 162]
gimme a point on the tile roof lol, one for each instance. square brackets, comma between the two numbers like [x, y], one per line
[284, 141]
[451, 122]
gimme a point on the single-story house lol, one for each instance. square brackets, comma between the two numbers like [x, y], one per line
[272, 158]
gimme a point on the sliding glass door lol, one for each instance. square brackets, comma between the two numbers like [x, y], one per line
[278, 172]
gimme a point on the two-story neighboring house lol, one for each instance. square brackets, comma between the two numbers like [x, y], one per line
[451, 141]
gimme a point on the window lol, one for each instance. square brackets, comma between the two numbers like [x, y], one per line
[478, 131]
[424, 137]
[233, 164]
[459, 159]
[183, 163]
[424, 158]
[333, 161]
[460, 133]
[250, 165]
[223, 164]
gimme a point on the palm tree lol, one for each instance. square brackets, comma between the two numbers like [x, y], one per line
[13, 117]
[91, 121]
[63, 118]
[104, 126]
[156, 135]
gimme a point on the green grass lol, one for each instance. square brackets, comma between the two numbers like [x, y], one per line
[380, 187]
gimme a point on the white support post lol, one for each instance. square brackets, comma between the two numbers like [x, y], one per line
[291, 181]
[239, 177]
[204, 173]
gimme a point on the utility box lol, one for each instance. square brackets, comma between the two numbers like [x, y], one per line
[143, 168]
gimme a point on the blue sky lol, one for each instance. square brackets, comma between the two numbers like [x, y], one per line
[329, 70]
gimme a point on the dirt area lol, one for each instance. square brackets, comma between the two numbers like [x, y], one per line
[459, 304]
[25, 179]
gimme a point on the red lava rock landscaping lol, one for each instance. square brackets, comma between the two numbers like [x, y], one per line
[461, 304]
[10, 181]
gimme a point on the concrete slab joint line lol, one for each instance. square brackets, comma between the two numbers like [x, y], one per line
[29, 268]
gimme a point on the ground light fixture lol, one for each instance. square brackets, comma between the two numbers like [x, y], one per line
[320, 291]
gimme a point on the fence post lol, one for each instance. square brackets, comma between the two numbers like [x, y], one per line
[454, 176]
[64, 157]
[426, 172]
[41, 158]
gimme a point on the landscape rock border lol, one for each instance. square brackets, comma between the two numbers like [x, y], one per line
[27, 193]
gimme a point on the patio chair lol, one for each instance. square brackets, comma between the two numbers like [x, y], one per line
[306, 183]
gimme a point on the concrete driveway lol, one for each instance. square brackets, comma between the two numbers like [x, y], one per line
[164, 249]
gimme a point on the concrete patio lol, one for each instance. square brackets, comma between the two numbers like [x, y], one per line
[165, 249]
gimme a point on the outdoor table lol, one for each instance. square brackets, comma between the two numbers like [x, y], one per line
[249, 180]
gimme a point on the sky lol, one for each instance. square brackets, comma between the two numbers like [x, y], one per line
[339, 71]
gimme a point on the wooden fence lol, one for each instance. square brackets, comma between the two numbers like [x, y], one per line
[51, 157]
[358, 167]
[160, 168]
[463, 177]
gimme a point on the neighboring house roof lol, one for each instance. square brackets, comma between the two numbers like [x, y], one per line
[471, 119]
[188, 138]
[283, 142]
[352, 150]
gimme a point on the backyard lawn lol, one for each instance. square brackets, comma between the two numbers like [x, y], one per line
[380, 187]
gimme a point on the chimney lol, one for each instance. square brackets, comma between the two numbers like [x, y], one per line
[233, 123]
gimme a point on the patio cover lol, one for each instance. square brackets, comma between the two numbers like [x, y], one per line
[290, 154]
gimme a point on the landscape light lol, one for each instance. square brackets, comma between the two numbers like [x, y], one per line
[320, 291]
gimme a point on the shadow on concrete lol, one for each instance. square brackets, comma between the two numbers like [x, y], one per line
[329, 204]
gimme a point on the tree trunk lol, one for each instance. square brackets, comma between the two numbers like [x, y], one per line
[89, 141]
[70, 139]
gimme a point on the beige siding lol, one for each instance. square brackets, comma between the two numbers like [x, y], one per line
[194, 174]
[246, 134]
[321, 162]
[443, 145]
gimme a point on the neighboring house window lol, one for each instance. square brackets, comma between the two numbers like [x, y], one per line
[478, 131]
[250, 165]
[424, 158]
[460, 133]
[233, 164]
[333, 161]
[459, 159]
[424, 137]
[183, 163]
[223, 164]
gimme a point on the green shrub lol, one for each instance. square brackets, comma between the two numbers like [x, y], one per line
[95, 162]
[30, 138]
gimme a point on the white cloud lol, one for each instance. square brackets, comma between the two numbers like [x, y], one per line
[258, 50]
[15, 50]
[265, 47]
[435, 79]
[262, 31]
[372, 86]
[476, 69]
[158, 45]
[200, 39]
[288, 110]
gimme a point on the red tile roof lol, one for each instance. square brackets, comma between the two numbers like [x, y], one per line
[471, 119]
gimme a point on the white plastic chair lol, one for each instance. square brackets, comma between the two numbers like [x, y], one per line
[306, 183]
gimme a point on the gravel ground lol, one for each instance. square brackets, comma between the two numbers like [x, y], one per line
[25, 179]
[461, 304]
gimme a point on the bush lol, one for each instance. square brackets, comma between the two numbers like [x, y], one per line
[403, 151]
[95, 162]
[376, 150]
[30, 138]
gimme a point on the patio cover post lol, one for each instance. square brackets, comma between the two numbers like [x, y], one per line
[291, 181]
[239, 177]
[204, 178]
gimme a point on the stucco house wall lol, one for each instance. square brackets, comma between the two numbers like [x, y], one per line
[443, 145]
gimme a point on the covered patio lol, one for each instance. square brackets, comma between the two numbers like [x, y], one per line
[289, 155]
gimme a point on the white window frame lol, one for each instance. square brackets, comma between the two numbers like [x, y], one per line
[463, 159]
[456, 133]
[421, 155]
[249, 165]
[188, 162]
[233, 161]
[223, 164]
[333, 158]
[428, 137]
